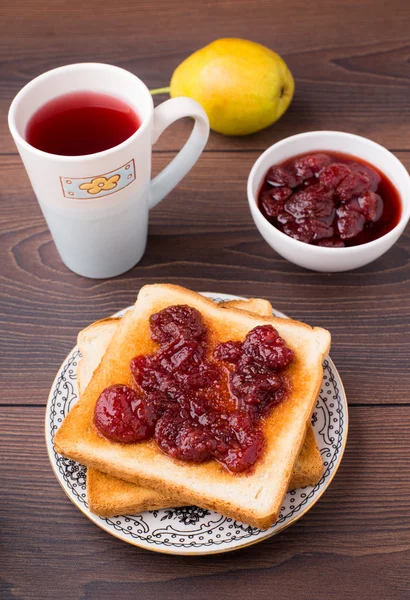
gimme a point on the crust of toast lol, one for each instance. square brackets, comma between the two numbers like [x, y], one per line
[108, 496]
[254, 497]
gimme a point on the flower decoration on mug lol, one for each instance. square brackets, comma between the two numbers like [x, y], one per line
[100, 184]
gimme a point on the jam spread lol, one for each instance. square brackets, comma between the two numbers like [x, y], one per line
[329, 199]
[199, 402]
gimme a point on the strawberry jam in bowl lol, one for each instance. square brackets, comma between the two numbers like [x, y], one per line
[329, 201]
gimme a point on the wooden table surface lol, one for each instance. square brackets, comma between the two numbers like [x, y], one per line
[351, 62]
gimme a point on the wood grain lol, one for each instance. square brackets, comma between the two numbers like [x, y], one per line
[351, 69]
[201, 236]
[350, 59]
[343, 540]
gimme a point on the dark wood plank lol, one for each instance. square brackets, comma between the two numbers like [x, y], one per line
[351, 69]
[356, 533]
[203, 237]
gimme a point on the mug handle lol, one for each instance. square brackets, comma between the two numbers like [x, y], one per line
[165, 114]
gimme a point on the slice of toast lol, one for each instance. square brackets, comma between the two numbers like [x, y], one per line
[253, 497]
[108, 496]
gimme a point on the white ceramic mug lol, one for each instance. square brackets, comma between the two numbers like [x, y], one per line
[103, 234]
[320, 258]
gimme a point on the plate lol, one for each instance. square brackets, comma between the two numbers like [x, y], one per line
[192, 530]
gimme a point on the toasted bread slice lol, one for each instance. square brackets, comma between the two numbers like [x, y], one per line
[94, 339]
[257, 306]
[253, 497]
[108, 496]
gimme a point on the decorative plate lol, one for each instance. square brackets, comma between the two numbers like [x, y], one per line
[192, 530]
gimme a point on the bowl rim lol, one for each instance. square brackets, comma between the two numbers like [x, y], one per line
[253, 204]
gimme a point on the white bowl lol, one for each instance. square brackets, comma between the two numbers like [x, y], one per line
[319, 258]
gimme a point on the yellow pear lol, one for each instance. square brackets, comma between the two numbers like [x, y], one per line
[243, 86]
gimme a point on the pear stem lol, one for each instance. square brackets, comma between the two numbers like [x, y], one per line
[164, 90]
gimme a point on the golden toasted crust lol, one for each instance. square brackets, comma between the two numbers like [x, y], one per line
[308, 468]
[253, 498]
[257, 306]
[108, 496]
